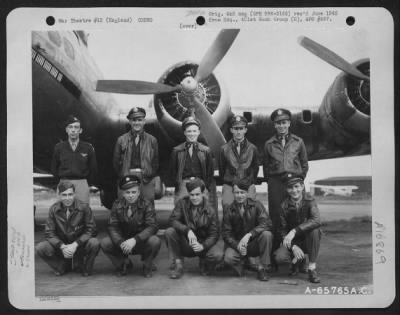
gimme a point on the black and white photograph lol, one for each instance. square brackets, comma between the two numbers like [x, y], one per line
[200, 155]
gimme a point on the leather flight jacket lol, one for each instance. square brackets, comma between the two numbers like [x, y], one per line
[148, 155]
[303, 219]
[290, 159]
[79, 227]
[178, 159]
[141, 225]
[238, 167]
[204, 226]
[255, 220]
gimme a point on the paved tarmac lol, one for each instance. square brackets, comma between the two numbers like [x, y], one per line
[345, 261]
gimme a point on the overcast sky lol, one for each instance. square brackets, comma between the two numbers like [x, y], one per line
[262, 70]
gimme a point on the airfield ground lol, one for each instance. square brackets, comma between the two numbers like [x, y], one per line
[345, 261]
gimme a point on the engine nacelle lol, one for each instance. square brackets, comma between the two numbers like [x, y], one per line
[345, 110]
[170, 107]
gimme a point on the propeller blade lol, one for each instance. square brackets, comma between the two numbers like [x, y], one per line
[134, 87]
[215, 53]
[209, 129]
[331, 58]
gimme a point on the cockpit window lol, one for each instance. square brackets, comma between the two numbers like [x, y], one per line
[69, 50]
[55, 37]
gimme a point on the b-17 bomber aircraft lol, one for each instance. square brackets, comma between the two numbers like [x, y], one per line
[67, 81]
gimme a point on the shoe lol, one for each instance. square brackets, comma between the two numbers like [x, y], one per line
[85, 273]
[78, 269]
[269, 269]
[221, 266]
[129, 265]
[177, 272]
[262, 275]
[203, 267]
[239, 269]
[123, 270]
[303, 268]
[313, 276]
[211, 268]
[274, 265]
[59, 273]
[251, 267]
[147, 271]
[293, 269]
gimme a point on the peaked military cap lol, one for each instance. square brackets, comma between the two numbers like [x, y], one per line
[129, 181]
[190, 121]
[238, 120]
[281, 114]
[136, 112]
[195, 182]
[70, 120]
[291, 179]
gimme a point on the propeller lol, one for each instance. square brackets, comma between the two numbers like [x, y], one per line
[189, 87]
[209, 128]
[134, 87]
[215, 53]
[331, 58]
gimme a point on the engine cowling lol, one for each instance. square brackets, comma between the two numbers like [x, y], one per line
[171, 108]
[345, 110]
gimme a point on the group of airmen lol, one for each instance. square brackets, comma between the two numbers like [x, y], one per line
[260, 240]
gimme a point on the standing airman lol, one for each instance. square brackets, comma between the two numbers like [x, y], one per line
[136, 153]
[75, 160]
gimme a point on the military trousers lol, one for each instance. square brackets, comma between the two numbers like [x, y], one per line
[147, 249]
[276, 194]
[309, 243]
[178, 247]
[83, 258]
[261, 246]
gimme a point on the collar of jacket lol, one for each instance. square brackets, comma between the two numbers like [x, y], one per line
[123, 204]
[182, 147]
[77, 142]
[243, 144]
[195, 145]
[133, 135]
[278, 138]
[204, 208]
[76, 206]
[248, 204]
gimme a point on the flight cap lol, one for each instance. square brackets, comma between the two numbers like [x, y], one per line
[281, 114]
[238, 120]
[291, 179]
[136, 112]
[129, 181]
[190, 121]
[70, 120]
